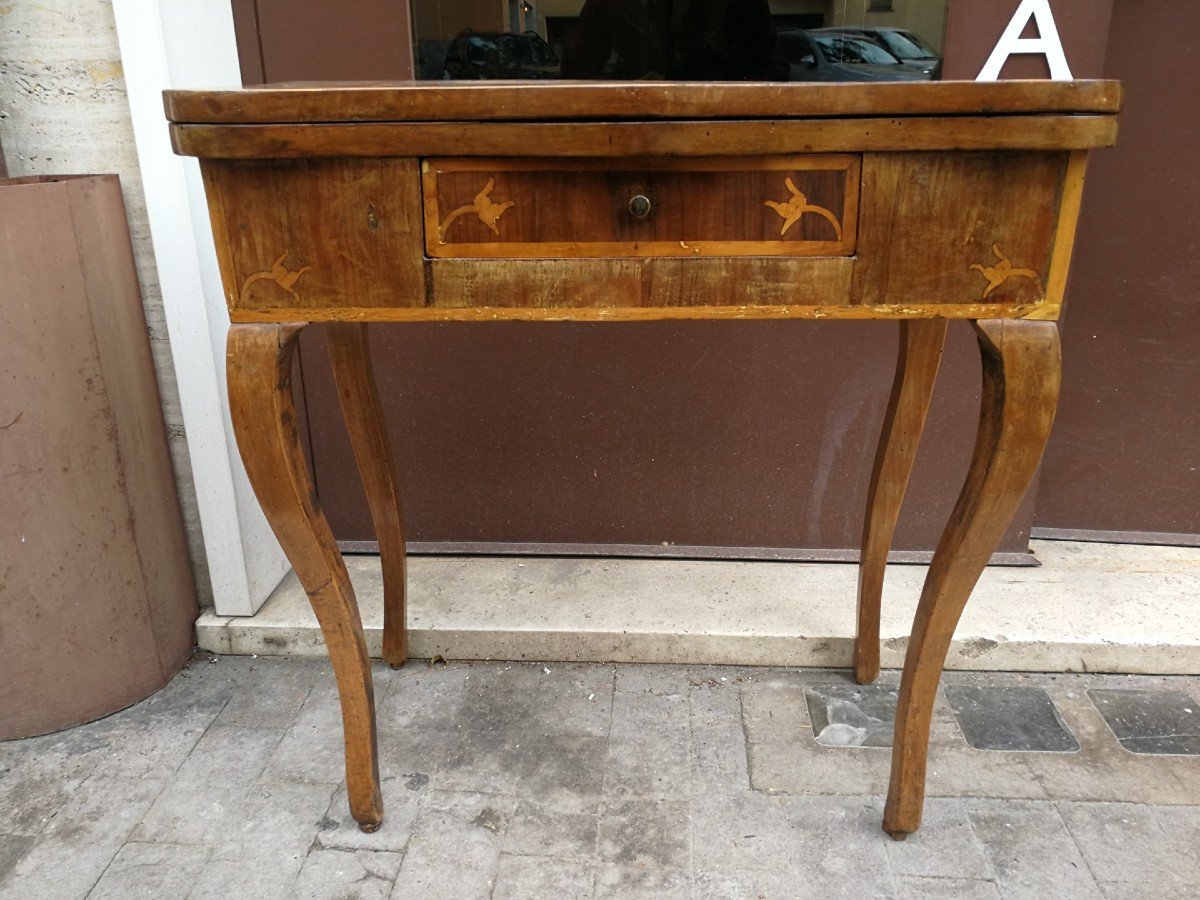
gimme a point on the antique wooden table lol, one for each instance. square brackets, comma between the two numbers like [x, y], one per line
[922, 202]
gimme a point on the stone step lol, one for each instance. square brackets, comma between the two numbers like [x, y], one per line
[1089, 608]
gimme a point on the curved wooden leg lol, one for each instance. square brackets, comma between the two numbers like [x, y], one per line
[921, 342]
[259, 362]
[1021, 373]
[351, 357]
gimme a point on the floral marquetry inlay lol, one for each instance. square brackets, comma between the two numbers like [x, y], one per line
[1002, 271]
[279, 274]
[793, 210]
[487, 209]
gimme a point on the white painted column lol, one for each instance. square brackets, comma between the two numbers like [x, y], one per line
[182, 44]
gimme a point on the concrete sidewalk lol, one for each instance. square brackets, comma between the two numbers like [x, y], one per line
[563, 780]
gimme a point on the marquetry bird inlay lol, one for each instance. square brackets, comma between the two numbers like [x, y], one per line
[793, 210]
[1003, 270]
[280, 274]
[488, 210]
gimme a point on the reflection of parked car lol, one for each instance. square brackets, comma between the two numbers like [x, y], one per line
[495, 54]
[836, 56]
[907, 46]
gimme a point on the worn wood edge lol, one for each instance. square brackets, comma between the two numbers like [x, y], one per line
[333, 101]
[1068, 222]
[609, 139]
[213, 190]
[766, 162]
[1042, 312]
[634, 249]
[850, 200]
[431, 207]
[1037, 311]
[1008, 558]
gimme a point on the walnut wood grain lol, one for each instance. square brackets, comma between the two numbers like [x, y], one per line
[317, 232]
[259, 363]
[707, 138]
[535, 207]
[621, 286]
[515, 101]
[1021, 375]
[738, 311]
[928, 223]
[1064, 235]
[920, 353]
[350, 354]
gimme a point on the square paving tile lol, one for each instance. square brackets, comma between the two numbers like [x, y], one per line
[1010, 718]
[505, 781]
[1166, 722]
[852, 715]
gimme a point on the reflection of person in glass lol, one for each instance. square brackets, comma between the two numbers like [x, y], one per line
[695, 40]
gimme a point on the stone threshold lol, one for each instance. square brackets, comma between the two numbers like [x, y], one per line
[1090, 607]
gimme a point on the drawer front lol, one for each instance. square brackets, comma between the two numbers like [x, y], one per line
[573, 208]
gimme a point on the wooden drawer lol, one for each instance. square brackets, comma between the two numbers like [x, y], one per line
[573, 208]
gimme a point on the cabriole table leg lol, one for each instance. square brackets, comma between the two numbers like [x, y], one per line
[350, 353]
[920, 353]
[259, 362]
[1021, 374]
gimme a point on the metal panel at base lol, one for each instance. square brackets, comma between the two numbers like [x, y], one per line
[669, 551]
[96, 593]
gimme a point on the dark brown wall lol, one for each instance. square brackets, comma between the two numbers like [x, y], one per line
[1125, 455]
[747, 434]
[1124, 459]
[316, 40]
[973, 28]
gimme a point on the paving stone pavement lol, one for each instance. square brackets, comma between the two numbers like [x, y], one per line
[523, 780]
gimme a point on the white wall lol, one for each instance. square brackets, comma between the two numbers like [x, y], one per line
[185, 43]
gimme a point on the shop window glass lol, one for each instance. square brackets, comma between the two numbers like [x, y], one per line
[685, 40]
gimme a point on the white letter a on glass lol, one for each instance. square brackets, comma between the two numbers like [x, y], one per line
[1046, 43]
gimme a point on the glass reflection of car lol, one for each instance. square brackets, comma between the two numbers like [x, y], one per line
[495, 54]
[907, 46]
[841, 57]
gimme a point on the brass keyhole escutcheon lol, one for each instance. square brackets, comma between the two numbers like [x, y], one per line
[639, 206]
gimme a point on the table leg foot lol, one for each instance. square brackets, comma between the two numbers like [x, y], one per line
[350, 353]
[921, 342]
[1021, 374]
[259, 361]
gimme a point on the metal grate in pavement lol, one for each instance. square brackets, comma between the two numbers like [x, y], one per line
[1161, 722]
